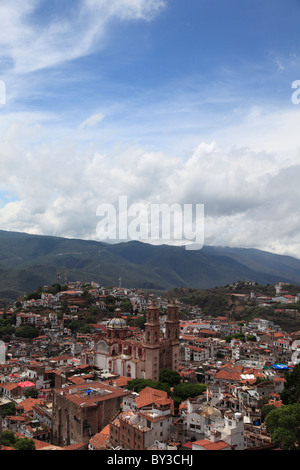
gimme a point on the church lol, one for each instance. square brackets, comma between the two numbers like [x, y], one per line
[138, 355]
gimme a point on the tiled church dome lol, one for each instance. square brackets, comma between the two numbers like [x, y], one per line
[117, 322]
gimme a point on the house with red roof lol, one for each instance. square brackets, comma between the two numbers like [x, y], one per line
[139, 428]
[100, 441]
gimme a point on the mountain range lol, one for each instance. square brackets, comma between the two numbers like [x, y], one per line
[29, 261]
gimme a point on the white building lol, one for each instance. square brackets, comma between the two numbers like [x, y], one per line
[228, 435]
[196, 354]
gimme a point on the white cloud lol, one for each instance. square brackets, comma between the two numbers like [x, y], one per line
[27, 46]
[245, 173]
[250, 196]
[92, 121]
[264, 129]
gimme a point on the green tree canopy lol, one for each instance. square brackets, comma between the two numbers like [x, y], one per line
[85, 329]
[136, 385]
[140, 322]
[24, 443]
[9, 409]
[266, 410]
[8, 438]
[6, 330]
[185, 391]
[27, 332]
[171, 377]
[284, 426]
[31, 393]
[291, 391]
[73, 325]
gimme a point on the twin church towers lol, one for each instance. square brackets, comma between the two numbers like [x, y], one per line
[124, 352]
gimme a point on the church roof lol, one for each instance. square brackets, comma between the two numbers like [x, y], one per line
[116, 323]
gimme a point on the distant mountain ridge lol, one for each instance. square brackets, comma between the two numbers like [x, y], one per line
[29, 261]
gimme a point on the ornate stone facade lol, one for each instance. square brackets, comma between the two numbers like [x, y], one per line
[124, 353]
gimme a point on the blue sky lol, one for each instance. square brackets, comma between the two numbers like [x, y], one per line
[160, 100]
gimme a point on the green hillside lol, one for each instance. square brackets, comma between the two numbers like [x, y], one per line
[29, 261]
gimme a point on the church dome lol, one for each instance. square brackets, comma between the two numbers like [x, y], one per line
[116, 323]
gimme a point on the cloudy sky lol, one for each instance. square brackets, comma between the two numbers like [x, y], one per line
[161, 101]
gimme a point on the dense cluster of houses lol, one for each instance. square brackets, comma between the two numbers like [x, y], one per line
[62, 402]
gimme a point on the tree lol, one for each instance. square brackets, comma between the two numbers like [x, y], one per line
[126, 305]
[291, 391]
[6, 330]
[27, 332]
[9, 409]
[266, 410]
[140, 321]
[64, 305]
[284, 438]
[85, 329]
[24, 443]
[36, 294]
[54, 289]
[185, 391]
[251, 338]
[139, 384]
[31, 393]
[171, 377]
[284, 426]
[74, 325]
[8, 438]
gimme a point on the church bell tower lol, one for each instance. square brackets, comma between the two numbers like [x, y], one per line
[172, 333]
[152, 343]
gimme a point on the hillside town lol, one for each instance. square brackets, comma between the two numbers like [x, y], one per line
[70, 388]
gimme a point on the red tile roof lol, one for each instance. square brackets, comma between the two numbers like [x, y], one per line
[208, 445]
[148, 396]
